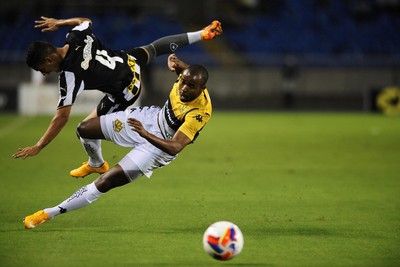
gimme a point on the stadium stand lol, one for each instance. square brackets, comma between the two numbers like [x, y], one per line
[313, 29]
[275, 54]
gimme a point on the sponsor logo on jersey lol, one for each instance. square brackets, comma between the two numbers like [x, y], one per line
[170, 117]
[198, 117]
[87, 52]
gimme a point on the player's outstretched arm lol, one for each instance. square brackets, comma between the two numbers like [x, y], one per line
[52, 24]
[178, 142]
[57, 123]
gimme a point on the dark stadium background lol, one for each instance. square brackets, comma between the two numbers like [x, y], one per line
[273, 55]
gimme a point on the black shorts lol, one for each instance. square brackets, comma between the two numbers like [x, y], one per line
[108, 105]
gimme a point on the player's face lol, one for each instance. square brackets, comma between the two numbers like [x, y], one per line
[189, 86]
[50, 65]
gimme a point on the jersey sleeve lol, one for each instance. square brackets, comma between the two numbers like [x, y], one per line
[76, 34]
[194, 122]
[70, 87]
[70, 81]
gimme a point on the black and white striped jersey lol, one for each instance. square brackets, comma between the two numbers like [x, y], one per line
[89, 65]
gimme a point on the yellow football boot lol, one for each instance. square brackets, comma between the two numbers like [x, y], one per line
[35, 219]
[86, 169]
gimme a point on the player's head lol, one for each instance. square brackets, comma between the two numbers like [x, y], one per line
[43, 57]
[192, 82]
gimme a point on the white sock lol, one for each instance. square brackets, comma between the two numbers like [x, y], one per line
[93, 150]
[79, 199]
[194, 37]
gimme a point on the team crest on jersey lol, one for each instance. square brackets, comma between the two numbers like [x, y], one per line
[118, 126]
[183, 108]
[173, 46]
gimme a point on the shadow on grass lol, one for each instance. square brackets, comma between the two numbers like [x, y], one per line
[314, 231]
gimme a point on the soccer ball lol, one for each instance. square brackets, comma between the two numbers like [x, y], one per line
[223, 240]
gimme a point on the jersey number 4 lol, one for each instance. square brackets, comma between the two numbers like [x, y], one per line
[106, 60]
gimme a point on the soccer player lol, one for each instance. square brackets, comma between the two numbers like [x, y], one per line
[157, 135]
[85, 63]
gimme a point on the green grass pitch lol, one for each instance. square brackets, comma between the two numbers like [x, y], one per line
[306, 189]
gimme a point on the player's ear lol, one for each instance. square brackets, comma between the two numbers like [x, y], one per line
[48, 59]
[202, 84]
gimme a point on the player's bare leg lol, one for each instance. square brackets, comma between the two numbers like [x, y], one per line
[95, 163]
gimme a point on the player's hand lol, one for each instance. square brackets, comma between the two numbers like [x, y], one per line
[137, 126]
[173, 62]
[27, 152]
[47, 24]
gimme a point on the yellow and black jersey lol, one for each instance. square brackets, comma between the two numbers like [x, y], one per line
[187, 117]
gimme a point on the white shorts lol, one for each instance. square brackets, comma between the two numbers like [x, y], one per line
[144, 155]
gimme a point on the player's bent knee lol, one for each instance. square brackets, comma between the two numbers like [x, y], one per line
[113, 178]
[90, 129]
[81, 129]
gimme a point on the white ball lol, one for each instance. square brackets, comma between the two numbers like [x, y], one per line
[223, 240]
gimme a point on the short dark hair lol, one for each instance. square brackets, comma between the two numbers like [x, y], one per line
[199, 70]
[37, 52]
